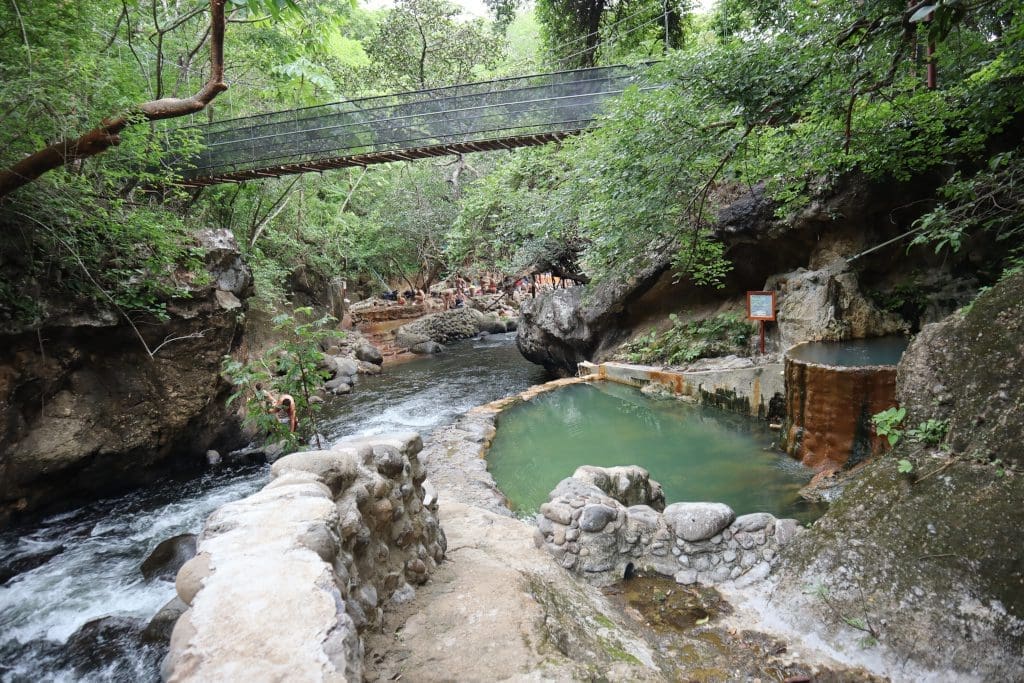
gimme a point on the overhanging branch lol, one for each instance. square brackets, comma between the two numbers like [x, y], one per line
[108, 133]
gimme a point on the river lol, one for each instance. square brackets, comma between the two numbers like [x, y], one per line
[97, 548]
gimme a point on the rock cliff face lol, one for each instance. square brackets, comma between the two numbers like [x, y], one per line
[88, 409]
[562, 327]
[969, 371]
[827, 305]
[929, 561]
[823, 298]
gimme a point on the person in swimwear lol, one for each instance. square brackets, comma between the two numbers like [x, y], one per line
[285, 409]
[282, 406]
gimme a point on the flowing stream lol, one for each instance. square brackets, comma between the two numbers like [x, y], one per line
[82, 565]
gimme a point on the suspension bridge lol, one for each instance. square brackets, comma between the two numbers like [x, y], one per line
[504, 113]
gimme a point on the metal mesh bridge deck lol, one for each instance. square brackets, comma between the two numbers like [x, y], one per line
[489, 115]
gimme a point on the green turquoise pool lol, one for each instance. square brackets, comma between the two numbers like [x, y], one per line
[696, 453]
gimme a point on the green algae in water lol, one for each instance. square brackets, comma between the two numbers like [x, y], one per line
[697, 454]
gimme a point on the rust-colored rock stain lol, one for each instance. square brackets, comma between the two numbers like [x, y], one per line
[673, 380]
[829, 409]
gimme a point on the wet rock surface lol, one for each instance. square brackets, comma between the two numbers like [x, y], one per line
[160, 627]
[102, 641]
[693, 633]
[10, 567]
[167, 558]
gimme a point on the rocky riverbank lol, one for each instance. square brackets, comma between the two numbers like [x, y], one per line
[92, 409]
[861, 594]
[498, 606]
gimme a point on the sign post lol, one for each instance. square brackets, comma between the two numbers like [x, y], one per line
[761, 307]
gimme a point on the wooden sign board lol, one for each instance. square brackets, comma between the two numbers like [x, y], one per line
[761, 305]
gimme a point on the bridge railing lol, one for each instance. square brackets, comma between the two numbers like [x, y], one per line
[562, 102]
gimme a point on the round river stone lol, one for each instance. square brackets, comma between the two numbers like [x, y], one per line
[596, 517]
[698, 521]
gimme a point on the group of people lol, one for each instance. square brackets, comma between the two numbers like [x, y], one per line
[456, 291]
[402, 298]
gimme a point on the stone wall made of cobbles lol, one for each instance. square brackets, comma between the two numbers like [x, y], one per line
[604, 523]
[286, 580]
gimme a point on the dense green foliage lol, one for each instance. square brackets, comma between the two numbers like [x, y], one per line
[797, 95]
[581, 33]
[423, 44]
[685, 342]
[82, 234]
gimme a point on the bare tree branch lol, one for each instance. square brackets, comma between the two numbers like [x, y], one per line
[24, 33]
[169, 339]
[272, 213]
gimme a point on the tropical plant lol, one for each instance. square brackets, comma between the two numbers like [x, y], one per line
[931, 432]
[888, 424]
[292, 366]
[686, 342]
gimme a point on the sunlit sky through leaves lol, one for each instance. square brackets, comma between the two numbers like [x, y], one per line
[477, 8]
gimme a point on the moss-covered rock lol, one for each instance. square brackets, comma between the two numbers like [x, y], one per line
[929, 562]
[969, 371]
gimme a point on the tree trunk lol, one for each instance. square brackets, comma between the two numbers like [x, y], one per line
[107, 134]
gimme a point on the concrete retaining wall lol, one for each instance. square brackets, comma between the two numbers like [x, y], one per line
[758, 391]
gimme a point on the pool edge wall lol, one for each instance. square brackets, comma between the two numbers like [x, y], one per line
[828, 411]
[754, 391]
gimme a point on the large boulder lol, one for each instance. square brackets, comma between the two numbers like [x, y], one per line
[427, 348]
[932, 556]
[827, 305]
[368, 353]
[443, 327]
[969, 372]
